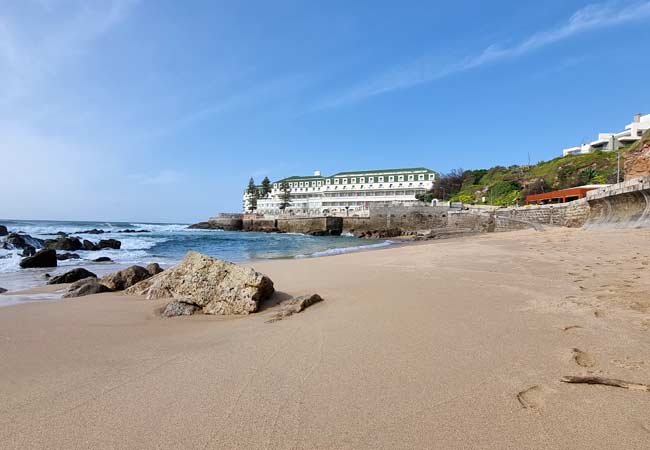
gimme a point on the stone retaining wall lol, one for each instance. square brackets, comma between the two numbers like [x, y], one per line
[622, 205]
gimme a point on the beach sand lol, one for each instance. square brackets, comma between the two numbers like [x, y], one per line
[456, 344]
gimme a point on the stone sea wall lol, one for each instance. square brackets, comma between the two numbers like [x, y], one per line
[622, 205]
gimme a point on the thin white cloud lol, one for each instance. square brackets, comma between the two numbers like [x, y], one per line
[596, 16]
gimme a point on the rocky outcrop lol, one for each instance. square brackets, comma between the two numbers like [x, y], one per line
[179, 308]
[66, 256]
[154, 268]
[64, 243]
[124, 279]
[637, 159]
[3, 230]
[103, 259]
[109, 243]
[28, 251]
[42, 258]
[87, 286]
[216, 286]
[88, 245]
[295, 305]
[23, 240]
[72, 276]
[2, 290]
[93, 231]
[133, 231]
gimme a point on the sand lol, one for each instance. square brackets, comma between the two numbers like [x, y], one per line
[456, 344]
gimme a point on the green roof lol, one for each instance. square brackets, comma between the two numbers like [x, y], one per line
[357, 173]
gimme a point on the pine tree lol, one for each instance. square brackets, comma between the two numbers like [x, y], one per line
[253, 194]
[266, 187]
[285, 195]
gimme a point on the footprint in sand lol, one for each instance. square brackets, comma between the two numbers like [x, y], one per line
[583, 359]
[532, 398]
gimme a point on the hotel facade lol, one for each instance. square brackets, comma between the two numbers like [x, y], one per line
[345, 193]
[613, 141]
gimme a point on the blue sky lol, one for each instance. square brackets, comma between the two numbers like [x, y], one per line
[161, 110]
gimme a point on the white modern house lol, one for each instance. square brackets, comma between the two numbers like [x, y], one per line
[613, 141]
[345, 193]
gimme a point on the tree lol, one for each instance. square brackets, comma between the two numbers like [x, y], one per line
[266, 187]
[253, 194]
[285, 195]
[448, 184]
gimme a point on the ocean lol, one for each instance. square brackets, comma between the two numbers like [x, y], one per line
[164, 243]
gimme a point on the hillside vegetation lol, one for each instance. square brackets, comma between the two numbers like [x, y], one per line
[506, 186]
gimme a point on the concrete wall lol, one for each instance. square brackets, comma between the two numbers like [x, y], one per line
[263, 225]
[316, 226]
[571, 214]
[622, 205]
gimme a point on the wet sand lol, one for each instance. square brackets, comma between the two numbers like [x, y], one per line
[452, 344]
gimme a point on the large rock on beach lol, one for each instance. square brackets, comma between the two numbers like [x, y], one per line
[86, 286]
[179, 308]
[124, 279]
[103, 259]
[72, 276]
[28, 251]
[64, 243]
[216, 286]
[154, 268]
[88, 245]
[42, 258]
[66, 256]
[23, 240]
[109, 243]
[3, 230]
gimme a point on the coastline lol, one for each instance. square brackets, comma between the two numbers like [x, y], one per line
[425, 345]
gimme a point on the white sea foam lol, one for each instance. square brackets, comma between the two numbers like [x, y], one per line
[341, 250]
[9, 299]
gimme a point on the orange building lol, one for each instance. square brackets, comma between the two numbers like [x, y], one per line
[562, 196]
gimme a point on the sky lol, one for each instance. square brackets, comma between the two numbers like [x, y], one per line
[161, 111]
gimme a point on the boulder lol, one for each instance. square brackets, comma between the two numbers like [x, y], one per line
[219, 287]
[87, 286]
[87, 245]
[109, 243]
[72, 276]
[154, 268]
[17, 240]
[42, 258]
[295, 305]
[64, 243]
[28, 251]
[93, 231]
[103, 259]
[124, 279]
[2, 290]
[61, 233]
[66, 256]
[3, 230]
[179, 308]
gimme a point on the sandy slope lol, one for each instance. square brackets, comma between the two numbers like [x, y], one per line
[419, 347]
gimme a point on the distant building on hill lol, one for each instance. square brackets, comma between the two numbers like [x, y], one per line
[345, 193]
[613, 141]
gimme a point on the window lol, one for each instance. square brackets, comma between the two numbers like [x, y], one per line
[410, 177]
[381, 179]
[336, 181]
[275, 185]
[313, 184]
[362, 180]
[301, 184]
[400, 178]
[420, 177]
[431, 176]
[345, 181]
[391, 179]
[319, 183]
[371, 179]
[328, 181]
[354, 180]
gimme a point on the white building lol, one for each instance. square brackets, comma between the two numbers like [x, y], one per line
[345, 193]
[613, 141]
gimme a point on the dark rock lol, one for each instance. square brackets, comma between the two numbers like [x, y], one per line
[42, 258]
[28, 251]
[134, 231]
[3, 230]
[109, 243]
[154, 268]
[16, 240]
[179, 308]
[124, 279]
[93, 231]
[2, 290]
[87, 286]
[66, 256]
[103, 259]
[87, 245]
[47, 276]
[72, 276]
[64, 243]
[61, 233]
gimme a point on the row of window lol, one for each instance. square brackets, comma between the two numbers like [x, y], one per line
[353, 180]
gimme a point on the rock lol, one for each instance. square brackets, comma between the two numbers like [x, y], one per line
[179, 308]
[72, 276]
[93, 231]
[64, 243]
[47, 276]
[103, 259]
[87, 245]
[295, 305]
[109, 243]
[2, 290]
[87, 286]
[134, 231]
[28, 251]
[61, 233]
[16, 240]
[637, 158]
[42, 258]
[3, 230]
[66, 256]
[154, 268]
[219, 287]
[124, 279]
